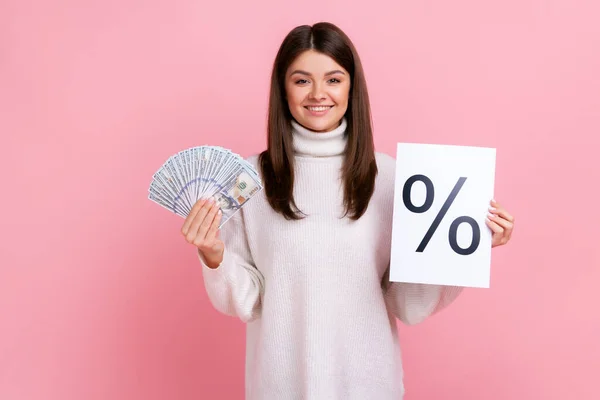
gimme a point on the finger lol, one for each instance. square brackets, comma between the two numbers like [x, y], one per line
[502, 213]
[497, 209]
[497, 229]
[499, 236]
[507, 225]
[198, 221]
[214, 227]
[207, 222]
[190, 218]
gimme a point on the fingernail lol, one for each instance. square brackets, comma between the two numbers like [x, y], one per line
[490, 216]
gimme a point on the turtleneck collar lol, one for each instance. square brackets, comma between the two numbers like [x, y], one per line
[308, 143]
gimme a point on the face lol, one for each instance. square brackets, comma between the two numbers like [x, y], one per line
[317, 90]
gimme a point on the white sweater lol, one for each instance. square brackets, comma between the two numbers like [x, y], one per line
[320, 326]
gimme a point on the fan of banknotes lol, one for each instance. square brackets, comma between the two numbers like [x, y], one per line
[204, 172]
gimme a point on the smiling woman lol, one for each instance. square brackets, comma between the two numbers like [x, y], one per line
[318, 83]
[317, 91]
[305, 263]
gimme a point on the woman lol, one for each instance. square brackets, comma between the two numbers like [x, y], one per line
[305, 263]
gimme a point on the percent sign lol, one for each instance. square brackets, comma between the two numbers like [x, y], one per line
[429, 196]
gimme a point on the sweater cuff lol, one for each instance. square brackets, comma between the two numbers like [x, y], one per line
[219, 268]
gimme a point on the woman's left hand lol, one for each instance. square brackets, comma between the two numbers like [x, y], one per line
[501, 223]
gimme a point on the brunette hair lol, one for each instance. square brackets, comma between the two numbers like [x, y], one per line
[277, 161]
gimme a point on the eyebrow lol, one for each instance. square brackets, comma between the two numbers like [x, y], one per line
[301, 72]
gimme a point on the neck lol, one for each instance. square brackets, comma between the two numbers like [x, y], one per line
[308, 143]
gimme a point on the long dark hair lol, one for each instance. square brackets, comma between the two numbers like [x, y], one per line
[277, 161]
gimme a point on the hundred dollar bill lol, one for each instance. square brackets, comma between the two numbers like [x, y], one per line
[236, 192]
[202, 172]
[160, 200]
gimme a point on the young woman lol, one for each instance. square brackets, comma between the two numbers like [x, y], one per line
[305, 263]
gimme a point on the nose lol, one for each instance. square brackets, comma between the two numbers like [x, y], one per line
[317, 92]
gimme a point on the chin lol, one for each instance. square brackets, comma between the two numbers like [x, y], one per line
[320, 124]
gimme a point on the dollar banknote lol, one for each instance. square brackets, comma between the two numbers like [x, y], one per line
[236, 193]
[204, 172]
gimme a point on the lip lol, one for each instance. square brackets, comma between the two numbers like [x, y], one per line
[318, 113]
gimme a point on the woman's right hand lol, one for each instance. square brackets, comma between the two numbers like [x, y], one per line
[201, 228]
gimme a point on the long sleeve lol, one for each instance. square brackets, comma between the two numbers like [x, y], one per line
[412, 303]
[236, 286]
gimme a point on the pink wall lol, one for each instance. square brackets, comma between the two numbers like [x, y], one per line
[101, 298]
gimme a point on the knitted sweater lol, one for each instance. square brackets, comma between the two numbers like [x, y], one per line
[319, 309]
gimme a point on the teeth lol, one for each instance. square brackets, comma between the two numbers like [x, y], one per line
[320, 108]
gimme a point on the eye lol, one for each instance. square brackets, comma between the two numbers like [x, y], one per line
[301, 81]
[334, 80]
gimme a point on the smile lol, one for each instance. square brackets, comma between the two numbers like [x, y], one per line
[318, 108]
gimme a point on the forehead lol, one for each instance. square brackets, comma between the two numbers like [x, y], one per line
[315, 63]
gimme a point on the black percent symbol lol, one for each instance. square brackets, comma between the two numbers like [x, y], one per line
[429, 196]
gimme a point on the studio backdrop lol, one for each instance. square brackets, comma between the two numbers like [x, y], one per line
[102, 298]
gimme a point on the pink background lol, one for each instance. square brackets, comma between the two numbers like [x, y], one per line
[100, 296]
